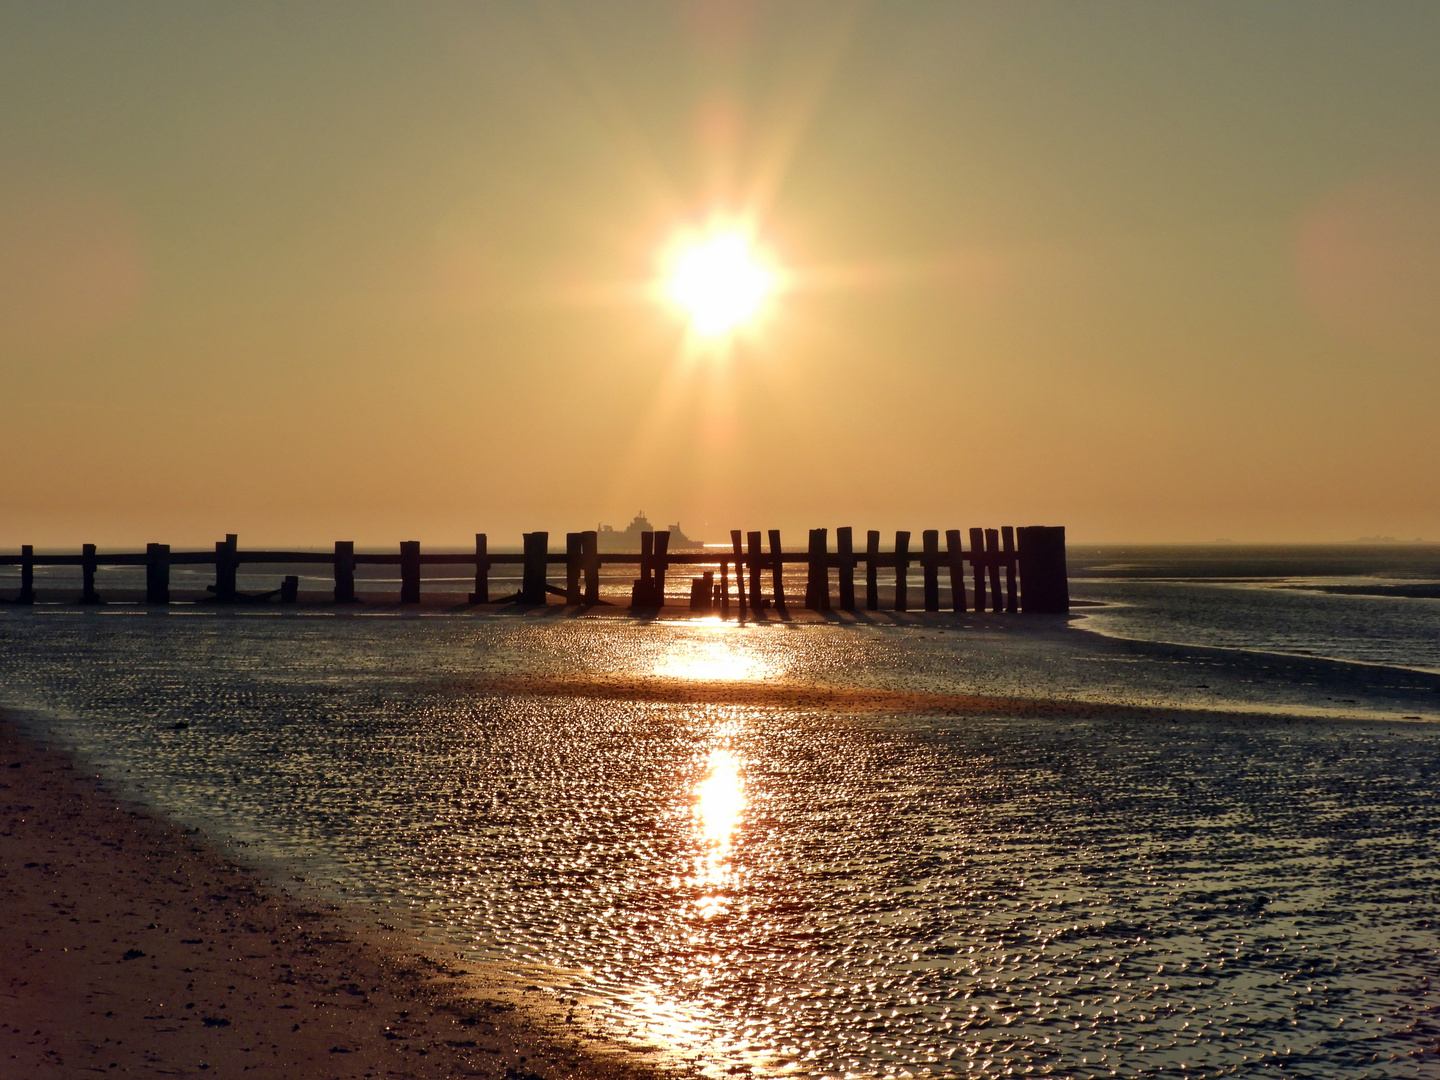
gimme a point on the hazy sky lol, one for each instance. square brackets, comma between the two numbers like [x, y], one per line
[1155, 271]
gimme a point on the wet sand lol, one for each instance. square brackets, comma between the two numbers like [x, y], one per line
[133, 948]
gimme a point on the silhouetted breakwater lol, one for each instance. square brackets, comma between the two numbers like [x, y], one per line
[1009, 570]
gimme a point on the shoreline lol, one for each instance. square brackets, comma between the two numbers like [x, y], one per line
[137, 948]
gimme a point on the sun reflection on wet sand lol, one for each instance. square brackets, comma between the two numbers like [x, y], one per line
[719, 652]
[719, 803]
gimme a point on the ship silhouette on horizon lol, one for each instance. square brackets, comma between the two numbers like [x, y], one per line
[628, 539]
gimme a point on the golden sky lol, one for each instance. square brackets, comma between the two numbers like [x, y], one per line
[381, 271]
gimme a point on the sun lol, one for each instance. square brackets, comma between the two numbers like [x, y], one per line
[719, 282]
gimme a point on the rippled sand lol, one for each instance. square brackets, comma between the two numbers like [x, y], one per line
[821, 850]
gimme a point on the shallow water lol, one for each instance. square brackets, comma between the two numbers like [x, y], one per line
[782, 891]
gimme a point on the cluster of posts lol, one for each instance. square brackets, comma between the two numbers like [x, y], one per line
[1010, 570]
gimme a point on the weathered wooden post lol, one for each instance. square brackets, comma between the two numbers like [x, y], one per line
[872, 570]
[777, 568]
[956, 558]
[590, 556]
[157, 573]
[344, 571]
[410, 571]
[662, 548]
[977, 566]
[88, 562]
[27, 575]
[845, 547]
[1044, 582]
[573, 553]
[702, 592]
[757, 601]
[481, 594]
[1012, 594]
[930, 541]
[992, 553]
[532, 577]
[817, 582]
[290, 589]
[226, 568]
[724, 588]
[739, 571]
[902, 570]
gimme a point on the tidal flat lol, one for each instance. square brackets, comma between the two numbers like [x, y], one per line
[941, 846]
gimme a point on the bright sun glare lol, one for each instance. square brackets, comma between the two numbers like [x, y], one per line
[719, 283]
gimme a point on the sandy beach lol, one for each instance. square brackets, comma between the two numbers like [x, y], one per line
[134, 949]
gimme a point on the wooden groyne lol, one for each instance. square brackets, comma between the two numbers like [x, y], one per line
[1002, 570]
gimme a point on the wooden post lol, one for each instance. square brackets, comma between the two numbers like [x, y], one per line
[344, 571]
[290, 589]
[573, 551]
[590, 556]
[1012, 594]
[157, 573]
[957, 569]
[662, 547]
[845, 547]
[27, 575]
[872, 572]
[992, 555]
[930, 539]
[642, 593]
[902, 570]
[410, 571]
[702, 592]
[481, 595]
[88, 595]
[739, 572]
[757, 601]
[1044, 584]
[977, 566]
[532, 580]
[226, 567]
[817, 583]
[777, 569]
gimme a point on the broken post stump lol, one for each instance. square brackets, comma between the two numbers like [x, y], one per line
[702, 592]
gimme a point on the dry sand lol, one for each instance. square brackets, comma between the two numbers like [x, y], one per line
[132, 948]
